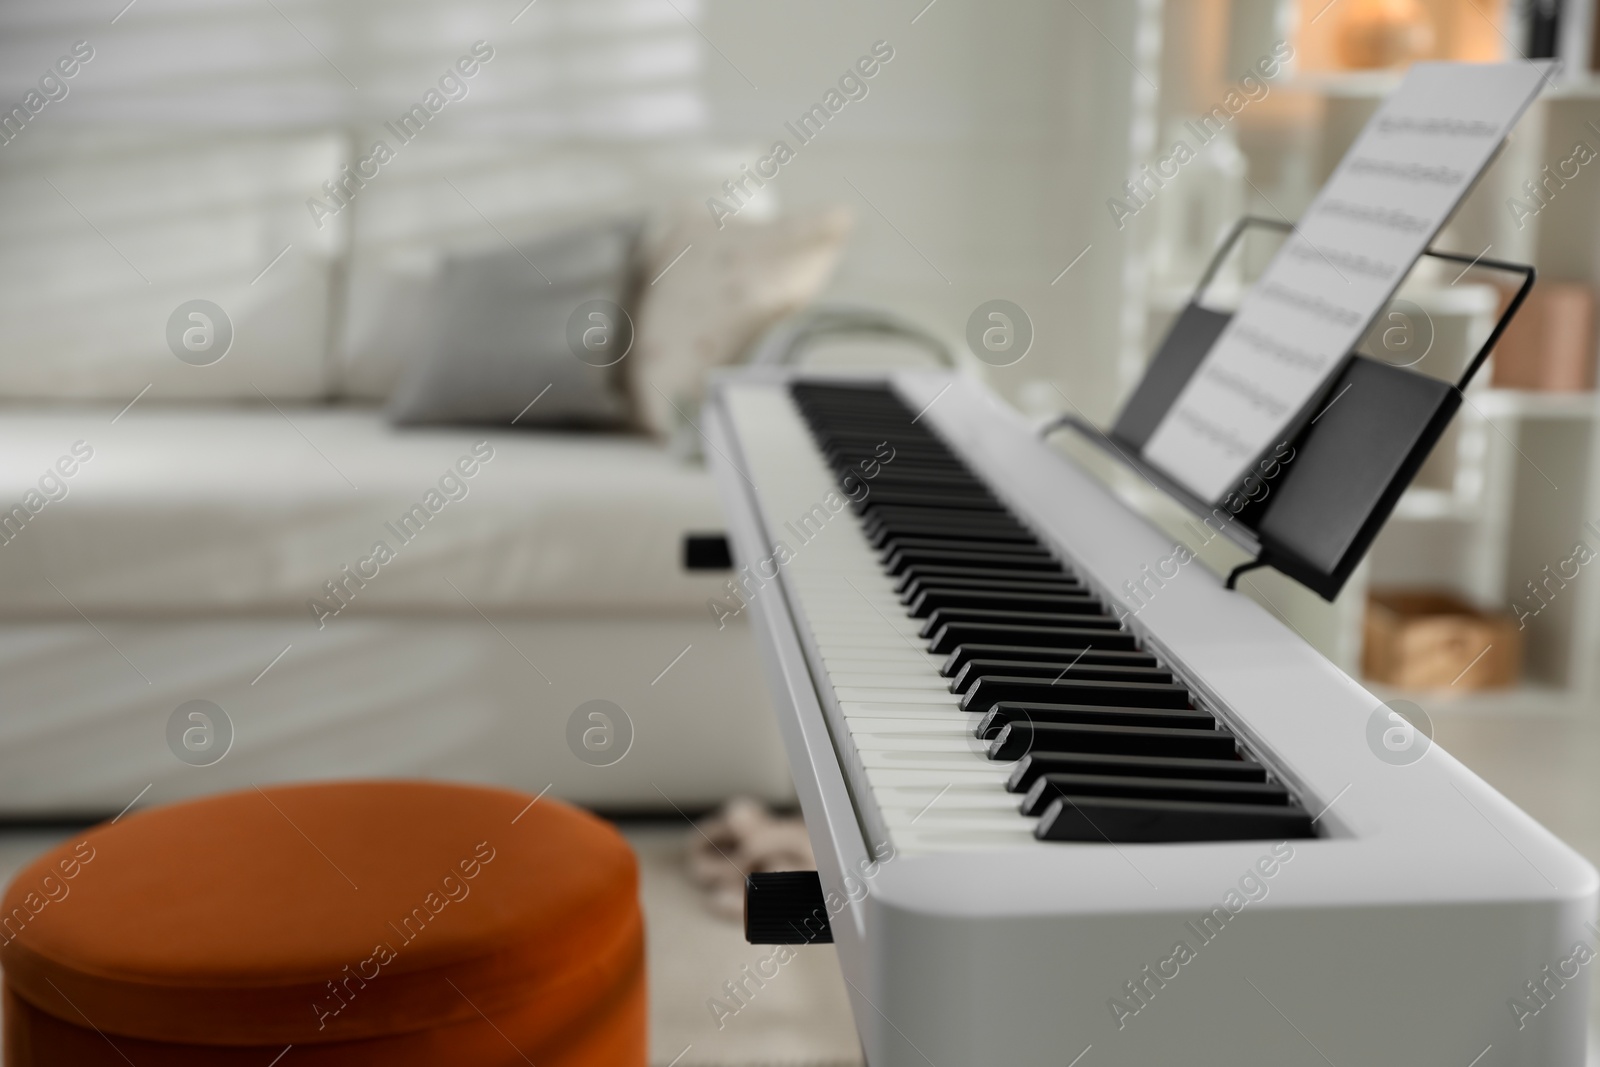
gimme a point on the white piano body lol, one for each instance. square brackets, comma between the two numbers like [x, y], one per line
[1407, 932]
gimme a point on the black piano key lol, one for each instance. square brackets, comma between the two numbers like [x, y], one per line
[964, 654]
[1051, 671]
[921, 481]
[923, 517]
[850, 401]
[973, 538]
[941, 616]
[980, 577]
[907, 467]
[846, 428]
[879, 445]
[1034, 764]
[1043, 665]
[991, 689]
[914, 521]
[909, 475]
[1050, 786]
[879, 535]
[895, 437]
[923, 478]
[998, 540]
[1017, 739]
[1060, 638]
[913, 479]
[947, 525]
[924, 601]
[915, 451]
[940, 498]
[939, 544]
[848, 433]
[950, 489]
[1004, 714]
[1088, 818]
[912, 581]
[899, 560]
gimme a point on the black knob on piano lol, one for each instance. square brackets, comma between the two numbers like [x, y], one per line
[786, 908]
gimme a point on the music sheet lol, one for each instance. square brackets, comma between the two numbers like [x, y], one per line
[1390, 195]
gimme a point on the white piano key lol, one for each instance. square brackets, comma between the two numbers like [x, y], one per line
[852, 596]
[965, 721]
[950, 798]
[847, 588]
[957, 821]
[952, 761]
[895, 760]
[916, 652]
[914, 777]
[889, 640]
[908, 661]
[932, 709]
[885, 695]
[909, 635]
[855, 606]
[885, 679]
[933, 739]
[857, 610]
[916, 840]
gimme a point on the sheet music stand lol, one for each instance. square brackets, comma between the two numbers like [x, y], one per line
[1373, 426]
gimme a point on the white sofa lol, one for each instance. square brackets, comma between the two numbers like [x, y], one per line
[178, 560]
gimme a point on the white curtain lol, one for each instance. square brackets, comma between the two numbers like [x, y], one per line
[592, 69]
[179, 160]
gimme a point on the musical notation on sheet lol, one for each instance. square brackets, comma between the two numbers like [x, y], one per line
[1390, 195]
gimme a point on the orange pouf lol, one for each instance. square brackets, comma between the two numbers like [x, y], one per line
[378, 922]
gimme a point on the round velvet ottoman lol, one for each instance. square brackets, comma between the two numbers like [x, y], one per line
[396, 923]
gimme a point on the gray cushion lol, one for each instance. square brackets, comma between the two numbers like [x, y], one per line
[502, 336]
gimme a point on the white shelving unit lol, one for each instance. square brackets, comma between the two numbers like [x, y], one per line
[1510, 486]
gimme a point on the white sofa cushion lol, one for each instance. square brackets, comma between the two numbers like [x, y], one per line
[254, 509]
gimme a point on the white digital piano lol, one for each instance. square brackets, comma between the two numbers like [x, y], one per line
[1052, 831]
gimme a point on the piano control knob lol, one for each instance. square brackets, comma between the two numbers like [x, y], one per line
[786, 908]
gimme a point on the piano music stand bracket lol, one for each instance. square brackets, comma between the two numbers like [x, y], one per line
[1351, 452]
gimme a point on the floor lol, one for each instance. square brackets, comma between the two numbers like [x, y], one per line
[1549, 765]
[800, 1017]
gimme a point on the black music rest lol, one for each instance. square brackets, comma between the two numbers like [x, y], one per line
[1356, 446]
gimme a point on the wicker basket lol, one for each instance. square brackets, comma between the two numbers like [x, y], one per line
[1426, 639]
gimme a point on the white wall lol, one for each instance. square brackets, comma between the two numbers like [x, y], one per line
[990, 142]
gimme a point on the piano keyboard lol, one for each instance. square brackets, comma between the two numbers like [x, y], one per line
[1076, 804]
[988, 692]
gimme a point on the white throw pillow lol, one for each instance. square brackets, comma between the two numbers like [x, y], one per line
[703, 310]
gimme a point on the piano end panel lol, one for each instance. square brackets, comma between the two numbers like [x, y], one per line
[1293, 987]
